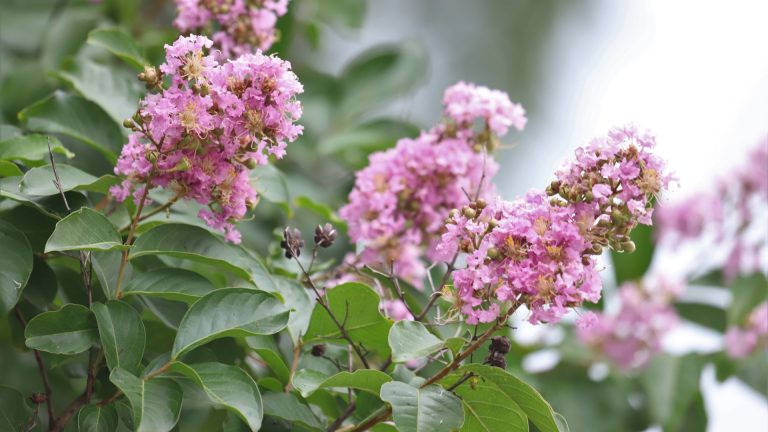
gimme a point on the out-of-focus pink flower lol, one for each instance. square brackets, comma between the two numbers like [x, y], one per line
[396, 310]
[632, 335]
[199, 136]
[740, 342]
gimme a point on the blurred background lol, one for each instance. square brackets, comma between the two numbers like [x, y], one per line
[694, 72]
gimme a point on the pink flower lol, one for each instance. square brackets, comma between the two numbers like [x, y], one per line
[199, 136]
[741, 342]
[399, 203]
[396, 310]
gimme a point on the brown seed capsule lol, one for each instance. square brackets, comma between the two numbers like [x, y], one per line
[500, 344]
[318, 350]
[292, 242]
[496, 359]
[325, 235]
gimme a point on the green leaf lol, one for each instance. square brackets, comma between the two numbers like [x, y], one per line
[703, 314]
[487, 407]
[169, 283]
[39, 181]
[15, 265]
[229, 312]
[368, 137]
[428, 409]
[320, 209]
[84, 229]
[193, 243]
[266, 347]
[114, 90]
[31, 149]
[69, 330]
[95, 418]
[381, 74]
[748, 292]
[270, 183]
[156, 403]
[632, 266]
[410, 340]
[229, 386]
[122, 334]
[526, 397]
[671, 385]
[42, 286]
[562, 425]
[287, 406]
[78, 118]
[9, 169]
[15, 413]
[359, 304]
[120, 44]
[370, 380]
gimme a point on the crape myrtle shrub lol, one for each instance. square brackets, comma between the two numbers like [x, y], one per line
[202, 232]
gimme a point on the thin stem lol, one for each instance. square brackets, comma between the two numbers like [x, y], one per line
[294, 364]
[154, 211]
[129, 239]
[461, 381]
[43, 373]
[439, 293]
[324, 304]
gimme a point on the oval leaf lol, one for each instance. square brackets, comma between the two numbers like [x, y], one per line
[15, 412]
[94, 418]
[428, 409]
[84, 229]
[359, 304]
[122, 334]
[31, 149]
[69, 330]
[156, 403]
[169, 283]
[120, 44]
[287, 406]
[229, 312]
[229, 386]
[410, 340]
[370, 380]
[486, 407]
[15, 265]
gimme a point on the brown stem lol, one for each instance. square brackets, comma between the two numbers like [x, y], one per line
[294, 364]
[129, 239]
[43, 373]
[340, 326]
[439, 293]
[154, 211]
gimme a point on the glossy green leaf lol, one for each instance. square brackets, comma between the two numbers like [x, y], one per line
[228, 386]
[229, 312]
[15, 266]
[266, 347]
[287, 406]
[31, 149]
[78, 118]
[526, 397]
[84, 229]
[39, 181]
[632, 266]
[270, 183]
[114, 90]
[487, 408]
[193, 243]
[428, 409]
[122, 334]
[69, 330]
[9, 169]
[15, 413]
[370, 380]
[95, 418]
[42, 286]
[169, 283]
[156, 403]
[410, 340]
[120, 44]
[358, 305]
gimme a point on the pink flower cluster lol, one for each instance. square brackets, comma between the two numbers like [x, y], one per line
[396, 310]
[399, 203]
[526, 251]
[237, 27]
[741, 342]
[631, 335]
[730, 216]
[200, 135]
[539, 251]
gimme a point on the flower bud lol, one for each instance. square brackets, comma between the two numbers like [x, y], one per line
[250, 163]
[480, 203]
[628, 246]
[251, 203]
[325, 235]
[493, 253]
[468, 212]
[128, 123]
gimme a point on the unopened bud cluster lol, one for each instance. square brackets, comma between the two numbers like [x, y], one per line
[239, 26]
[201, 135]
[399, 202]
